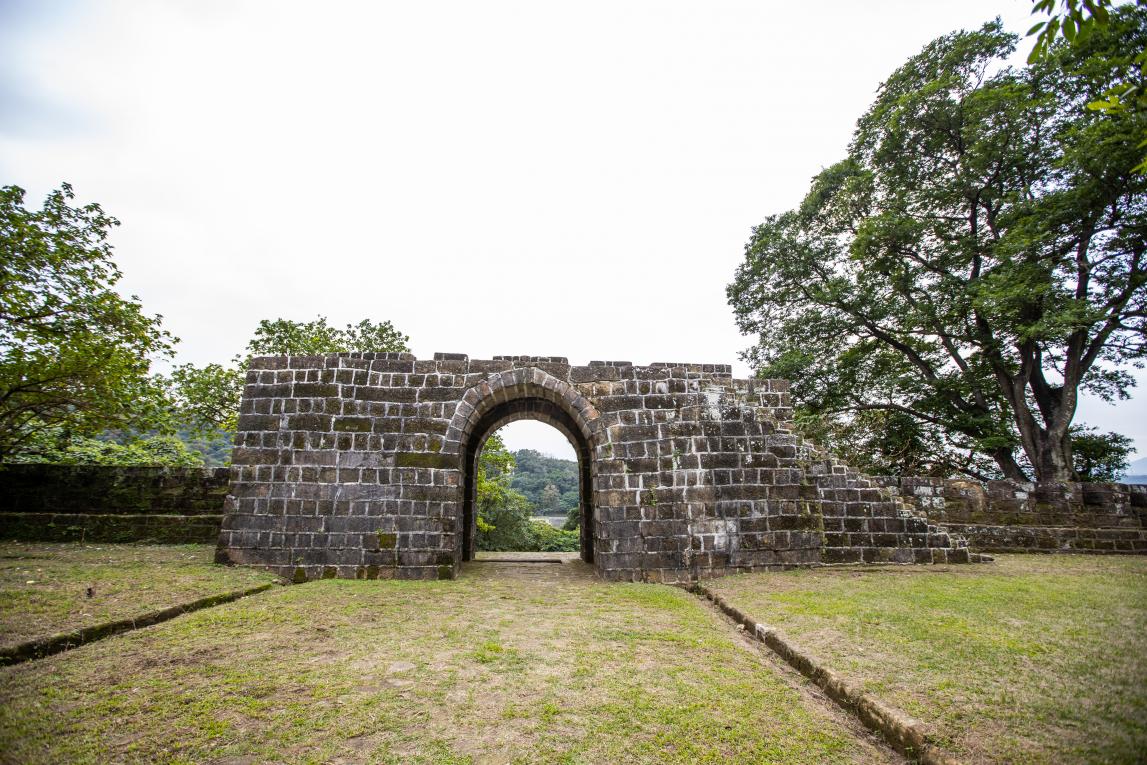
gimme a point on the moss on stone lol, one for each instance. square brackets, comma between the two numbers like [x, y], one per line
[424, 460]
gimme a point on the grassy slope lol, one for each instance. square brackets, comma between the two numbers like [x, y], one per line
[1032, 658]
[43, 587]
[483, 669]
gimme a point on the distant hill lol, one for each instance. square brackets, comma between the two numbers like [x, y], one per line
[1136, 472]
[534, 471]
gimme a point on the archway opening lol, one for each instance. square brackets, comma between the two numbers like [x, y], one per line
[551, 414]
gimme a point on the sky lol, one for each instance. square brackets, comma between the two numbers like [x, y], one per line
[566, 179]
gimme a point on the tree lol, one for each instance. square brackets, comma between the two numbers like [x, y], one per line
[889, 442]
[59, 446]
[503, 513]
[573, 518]
[534, 471]
[551, 500]
[1077, 22]
[975, 262]
[283, 337]
[207, 397]
[1099, 456]
[74, 353]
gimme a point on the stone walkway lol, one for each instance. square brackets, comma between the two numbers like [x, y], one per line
[534, 566]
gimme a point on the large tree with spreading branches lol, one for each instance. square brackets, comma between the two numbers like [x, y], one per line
[975, 262]
[75, 354]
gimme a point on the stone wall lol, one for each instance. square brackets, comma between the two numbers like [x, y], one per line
[96, 503]
[104, 490]
[1010, 516]
[1012, 503]
[845, 516]
[361, 465]
[1053, 539]
[86, 527]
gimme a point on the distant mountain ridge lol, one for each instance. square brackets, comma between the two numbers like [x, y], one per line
[1136, 472]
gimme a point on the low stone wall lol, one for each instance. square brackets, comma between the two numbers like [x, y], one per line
[1014, 503]
[1049, 539]
[84, 527]
[88, 503]
[103, 490]
[1013, 516]
[97, 503]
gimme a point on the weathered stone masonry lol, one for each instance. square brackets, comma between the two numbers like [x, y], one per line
[361, 465]
[104, 503]
[1012, 516]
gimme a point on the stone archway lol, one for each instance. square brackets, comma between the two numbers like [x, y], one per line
[357, 465]
[523, 394]
[526, 409]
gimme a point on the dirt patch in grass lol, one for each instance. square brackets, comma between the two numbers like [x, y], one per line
[545, 667]
[1029, 659]
[47, 589]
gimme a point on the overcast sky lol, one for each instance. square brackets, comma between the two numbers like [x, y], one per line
[573, 179]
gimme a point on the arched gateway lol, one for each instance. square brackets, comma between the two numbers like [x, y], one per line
[362, 465]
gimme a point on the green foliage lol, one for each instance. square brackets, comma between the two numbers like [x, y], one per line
[215, 446]
[975, 262]
[551, 500]
[58, 446]
[534, 472]
[283, 337]
[1078, 21]
[1075, 22]
[503, 513]
[549, 539]
[573, 519]
[888, 442]
[504, 521]
[207, 398]
[1099, 456]
[74, 353]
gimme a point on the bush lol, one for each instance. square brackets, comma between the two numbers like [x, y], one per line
[59, 447]
[549, 539]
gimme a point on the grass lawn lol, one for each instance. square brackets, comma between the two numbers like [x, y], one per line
[43, 587]
[540, 667]
[1028, 659]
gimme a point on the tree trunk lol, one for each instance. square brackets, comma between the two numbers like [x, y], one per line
[1053, 462]
[1006, 460]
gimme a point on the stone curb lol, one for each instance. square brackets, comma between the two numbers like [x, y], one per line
[905, 734]
[38, 649]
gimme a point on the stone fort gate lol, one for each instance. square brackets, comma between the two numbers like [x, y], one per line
[362, 465]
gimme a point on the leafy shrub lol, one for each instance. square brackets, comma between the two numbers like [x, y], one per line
[58, 446]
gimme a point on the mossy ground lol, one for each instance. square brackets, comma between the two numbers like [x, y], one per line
[44, 587]
[1028, 659]
[534, 667]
